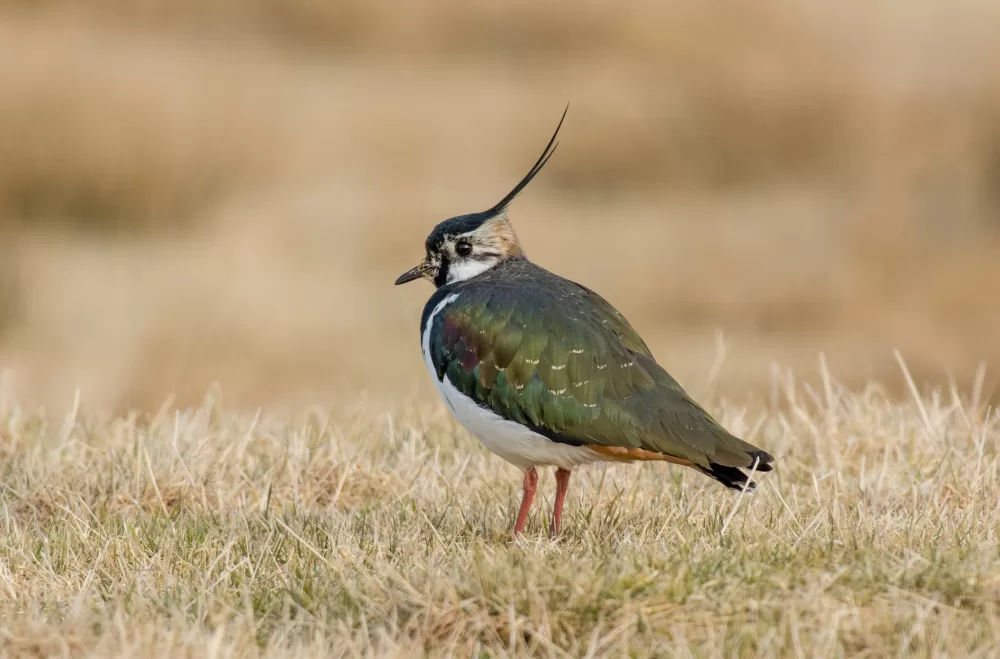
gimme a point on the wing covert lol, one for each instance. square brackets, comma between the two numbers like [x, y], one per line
[569, 366]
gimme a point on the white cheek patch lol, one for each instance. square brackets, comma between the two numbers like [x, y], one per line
[469, 268]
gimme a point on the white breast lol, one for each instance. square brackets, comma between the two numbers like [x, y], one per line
[508, 439]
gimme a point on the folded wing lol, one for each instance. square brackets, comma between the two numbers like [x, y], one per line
[564, 362]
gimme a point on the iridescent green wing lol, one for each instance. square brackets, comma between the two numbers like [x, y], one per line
[565, 363]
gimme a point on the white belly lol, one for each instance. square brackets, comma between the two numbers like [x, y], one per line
[508, 439]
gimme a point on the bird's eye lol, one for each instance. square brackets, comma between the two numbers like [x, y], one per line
[463, 248]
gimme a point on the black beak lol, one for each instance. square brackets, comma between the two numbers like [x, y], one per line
[415, 272]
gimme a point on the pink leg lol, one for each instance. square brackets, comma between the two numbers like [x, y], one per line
[562, 484]
[530, 484]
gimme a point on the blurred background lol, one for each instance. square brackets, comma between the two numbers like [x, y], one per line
[199, 191]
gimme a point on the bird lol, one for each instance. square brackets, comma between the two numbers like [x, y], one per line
[546, 373]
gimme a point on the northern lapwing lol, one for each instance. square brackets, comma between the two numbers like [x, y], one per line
[545, 372]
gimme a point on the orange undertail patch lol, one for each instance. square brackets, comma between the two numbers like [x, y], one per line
[622, 454]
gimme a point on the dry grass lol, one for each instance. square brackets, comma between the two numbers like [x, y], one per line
[198, 191]
[202, 532]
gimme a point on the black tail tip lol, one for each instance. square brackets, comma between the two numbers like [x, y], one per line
[763, 458]
[732, 477]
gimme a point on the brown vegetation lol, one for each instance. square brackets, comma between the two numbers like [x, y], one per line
[198, 191]
[374, 532]
[223, 191]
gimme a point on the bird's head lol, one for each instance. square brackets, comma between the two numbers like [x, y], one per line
[468, 245]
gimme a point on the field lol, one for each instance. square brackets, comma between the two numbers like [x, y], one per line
[789, 201]
[362, 532]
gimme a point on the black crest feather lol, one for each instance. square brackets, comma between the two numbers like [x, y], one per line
[464, 223]
[550, 148]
